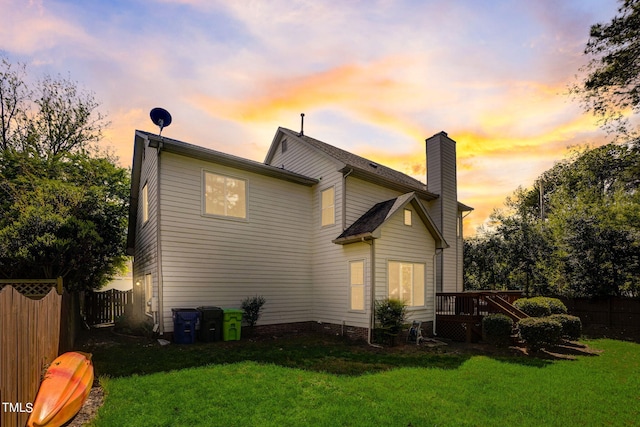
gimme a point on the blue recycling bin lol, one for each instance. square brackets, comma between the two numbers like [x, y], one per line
[184, 325]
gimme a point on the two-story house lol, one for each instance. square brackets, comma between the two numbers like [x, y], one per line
[321, 233]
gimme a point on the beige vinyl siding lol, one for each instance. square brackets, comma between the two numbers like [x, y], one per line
[220, 261]
[362, 196]
[330, 264]
[330, 269]
[305, 160]
[146, 253]
[413, 244]
[441, 179]
[449, 227]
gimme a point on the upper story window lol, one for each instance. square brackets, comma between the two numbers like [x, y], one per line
[284, 146]
[328, 206]
[407, 217]
[145, 204]
[225, 196]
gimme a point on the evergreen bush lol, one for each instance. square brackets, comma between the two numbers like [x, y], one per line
[555, 305]
[540, 332]
[252, 307]
[497, 329]
[390, 314]
[571, 325]
[541, 306]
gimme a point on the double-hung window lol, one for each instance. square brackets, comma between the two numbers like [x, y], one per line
[225, 196]
[328, 206]
[356, 282]
[145, 204]
[406, 282]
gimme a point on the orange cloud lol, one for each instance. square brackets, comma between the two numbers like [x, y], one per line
[358, 88]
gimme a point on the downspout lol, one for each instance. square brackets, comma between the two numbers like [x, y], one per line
[372, 317]
[344, 199]
[435, 298]
[159, 248]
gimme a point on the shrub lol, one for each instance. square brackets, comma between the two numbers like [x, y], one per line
[497, 329]
[390, 314]
[541, 306]
[252, 307]
[539, 332]
[571, 325]
[533, 307]
[128, 324]
[555, 305]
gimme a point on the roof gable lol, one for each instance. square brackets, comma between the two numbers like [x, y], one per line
[357, 166]
[367, 227]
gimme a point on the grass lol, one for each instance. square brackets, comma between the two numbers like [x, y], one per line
[320, 382]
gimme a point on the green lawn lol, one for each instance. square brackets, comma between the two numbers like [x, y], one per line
[302, 382]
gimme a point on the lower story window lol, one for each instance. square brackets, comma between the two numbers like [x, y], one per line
[406, 282]
[356, 280]
[148, 293]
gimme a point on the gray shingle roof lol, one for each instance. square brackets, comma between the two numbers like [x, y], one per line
[366, 227]
[370, 221]
[359, 162]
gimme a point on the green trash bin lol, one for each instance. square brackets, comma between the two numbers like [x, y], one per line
[231, 324]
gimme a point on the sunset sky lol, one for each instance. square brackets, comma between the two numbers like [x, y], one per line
[372, 77]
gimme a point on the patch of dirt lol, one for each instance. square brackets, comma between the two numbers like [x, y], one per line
[90, 408]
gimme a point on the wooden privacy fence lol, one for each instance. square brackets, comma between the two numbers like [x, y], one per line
[105, 307]
[29, 334]
[614, 312]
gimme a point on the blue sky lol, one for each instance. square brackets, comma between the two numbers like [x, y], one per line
[372, 77]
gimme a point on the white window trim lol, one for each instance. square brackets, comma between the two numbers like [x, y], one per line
[333, 222]
[203, 196]
[364, 286]
[404, 218]
[424, 281]
[145, 203]
[148, 287]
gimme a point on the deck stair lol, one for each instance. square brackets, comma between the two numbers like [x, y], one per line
[459, 314]
[503, 306]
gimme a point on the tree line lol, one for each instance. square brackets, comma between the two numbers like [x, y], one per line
[63, 199]
[576, 231]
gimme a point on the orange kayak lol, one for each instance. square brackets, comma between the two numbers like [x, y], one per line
[64, 389]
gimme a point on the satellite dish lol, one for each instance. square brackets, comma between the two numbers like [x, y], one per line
[160, 117]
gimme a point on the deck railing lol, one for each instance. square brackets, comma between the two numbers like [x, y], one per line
[459, 314]
[470, 303]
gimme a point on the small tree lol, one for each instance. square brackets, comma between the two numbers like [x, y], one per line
[390, 314]
[252, 307]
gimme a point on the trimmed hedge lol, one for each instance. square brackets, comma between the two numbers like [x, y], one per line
[571, 325]
[540, 332]
[541, 306]
[497, 329]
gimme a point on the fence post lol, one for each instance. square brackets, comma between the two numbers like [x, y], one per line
[59, 286]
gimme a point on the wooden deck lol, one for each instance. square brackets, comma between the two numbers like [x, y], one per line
[459, 314]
